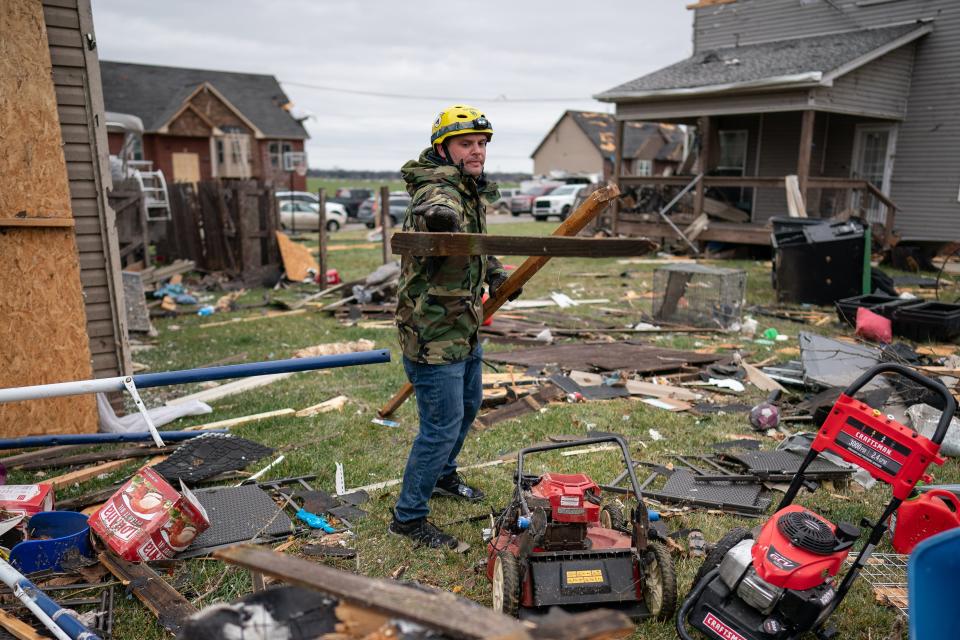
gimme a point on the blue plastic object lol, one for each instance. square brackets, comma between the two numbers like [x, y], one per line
[314, 521]
[66, 537]
[933, 579]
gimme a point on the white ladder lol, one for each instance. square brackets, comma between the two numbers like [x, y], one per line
[154, 188]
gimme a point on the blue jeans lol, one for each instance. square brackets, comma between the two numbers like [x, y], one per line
[448, 399]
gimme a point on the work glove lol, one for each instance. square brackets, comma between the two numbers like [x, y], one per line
[443, 219]
[496, 276]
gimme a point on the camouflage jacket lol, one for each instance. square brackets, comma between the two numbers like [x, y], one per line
[439, 302]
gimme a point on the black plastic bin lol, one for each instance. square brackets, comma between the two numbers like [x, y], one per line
[879, 303]
[817, 261]
[928, 321]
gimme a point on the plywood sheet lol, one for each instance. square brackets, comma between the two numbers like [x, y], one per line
[297, 259]
[42, 318]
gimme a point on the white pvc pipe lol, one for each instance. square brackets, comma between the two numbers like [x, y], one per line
[59, 389]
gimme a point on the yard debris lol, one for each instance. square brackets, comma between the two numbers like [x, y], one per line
[210, 455]
[333, 404]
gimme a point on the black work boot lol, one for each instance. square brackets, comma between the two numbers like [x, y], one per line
[423, 533]
[453, 486]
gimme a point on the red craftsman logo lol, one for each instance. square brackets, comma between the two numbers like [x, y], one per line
[720, 628]
[882, 448]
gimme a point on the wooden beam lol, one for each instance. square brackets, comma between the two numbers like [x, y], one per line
[573, 225]
[732, 232]
[617, 173]
[233, 422]
[385, 221]
[703, 125]
[171, 608]
[95, 456]
[322, 239]
[472, 244]
[435, 609]
[16, 460]
[806, 151]
[44, 223]
[89, 473]
[18, 628]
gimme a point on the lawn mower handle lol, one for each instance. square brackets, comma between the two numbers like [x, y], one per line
[579, 443]
[950, 405]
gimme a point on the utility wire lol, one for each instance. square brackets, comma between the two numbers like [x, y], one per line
[404, 96]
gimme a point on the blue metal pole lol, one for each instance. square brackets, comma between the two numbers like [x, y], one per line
[57, 619]
[99, 438]
[146, 380]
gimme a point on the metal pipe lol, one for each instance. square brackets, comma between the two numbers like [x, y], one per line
[142, 381]
[54, 617]
[99, 438]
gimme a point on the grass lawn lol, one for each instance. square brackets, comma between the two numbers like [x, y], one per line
[372, 453]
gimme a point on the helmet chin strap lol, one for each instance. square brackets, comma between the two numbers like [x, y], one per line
[448, 158]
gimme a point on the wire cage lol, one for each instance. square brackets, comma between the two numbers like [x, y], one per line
[699, 295]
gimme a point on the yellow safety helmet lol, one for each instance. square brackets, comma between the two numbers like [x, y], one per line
[458, 120]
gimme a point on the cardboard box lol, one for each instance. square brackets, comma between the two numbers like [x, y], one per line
[26, 499]
[147, 519]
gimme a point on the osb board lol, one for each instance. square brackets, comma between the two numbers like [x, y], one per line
[297, 259]
[33, 174]
[42, 317]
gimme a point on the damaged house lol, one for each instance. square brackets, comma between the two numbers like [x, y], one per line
[201, 124]
[585, 142]
[853, 97]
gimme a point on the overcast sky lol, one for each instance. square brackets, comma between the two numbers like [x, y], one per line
[493, 55]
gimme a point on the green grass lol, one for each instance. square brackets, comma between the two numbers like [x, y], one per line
[372, 453]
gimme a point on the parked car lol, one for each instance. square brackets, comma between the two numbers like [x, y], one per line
[296, 196]
[305, 216]
[503, 204]
[369, 210]
[559, 202]
[523, 203]
[351, 199]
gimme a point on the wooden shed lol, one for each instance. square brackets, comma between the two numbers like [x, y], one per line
[61, 297]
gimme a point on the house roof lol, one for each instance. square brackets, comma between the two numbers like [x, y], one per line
[809, 61]
[600, 128]
[155, 93]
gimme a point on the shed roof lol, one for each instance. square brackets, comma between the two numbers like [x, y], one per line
[809, 61]
[155, 93]
[600, 128]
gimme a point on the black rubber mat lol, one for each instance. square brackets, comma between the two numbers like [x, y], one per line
[209, 455]
[682, 486]
[783, 465]
[348, 512]
[238, 514]
[316, 501]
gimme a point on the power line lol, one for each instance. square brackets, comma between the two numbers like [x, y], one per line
[404, 96]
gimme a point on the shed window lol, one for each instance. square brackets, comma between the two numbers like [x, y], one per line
[733, 152]
[276, 149]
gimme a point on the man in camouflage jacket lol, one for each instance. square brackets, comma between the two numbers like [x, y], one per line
[439, 311]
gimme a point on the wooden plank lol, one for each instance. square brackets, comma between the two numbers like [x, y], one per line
[95, 456]
[464, 244]
[18, 628]
[753, 234]
[439, 610]
[14, 461]
[39, 223]
[617, 171]
[708, 3]
[82, 475]
[806, 150]
[171, 608]
[573, 225]
[234, 422]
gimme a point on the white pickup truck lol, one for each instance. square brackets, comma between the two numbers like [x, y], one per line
[558, 202]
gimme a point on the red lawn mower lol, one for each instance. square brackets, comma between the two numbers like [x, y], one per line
[783, 584]
[558, 544]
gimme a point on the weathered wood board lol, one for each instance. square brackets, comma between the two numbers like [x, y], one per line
[42, 317]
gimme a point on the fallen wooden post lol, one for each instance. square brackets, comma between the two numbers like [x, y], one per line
[466, 244]
[438, 610]
[170, 607]
[573, 225]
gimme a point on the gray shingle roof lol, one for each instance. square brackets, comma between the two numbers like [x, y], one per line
[601, 129]
[758, 62]
[154, 93]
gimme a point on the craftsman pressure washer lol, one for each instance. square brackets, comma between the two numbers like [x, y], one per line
[783, 584]
[559, 544]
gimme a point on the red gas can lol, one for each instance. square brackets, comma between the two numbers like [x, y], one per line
[918, 519]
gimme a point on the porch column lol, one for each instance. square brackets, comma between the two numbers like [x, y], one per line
[617, 168]
[806, 150]
[703, 163]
